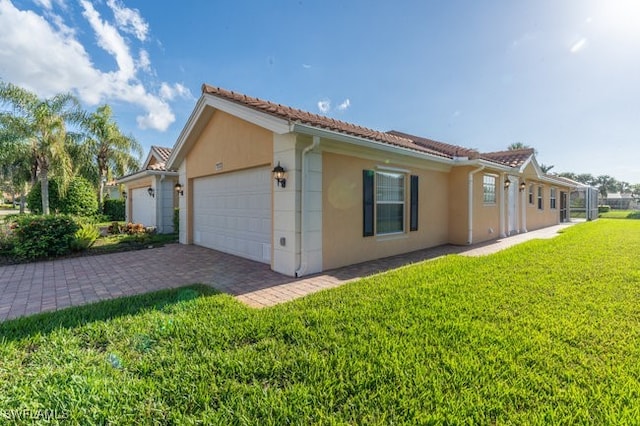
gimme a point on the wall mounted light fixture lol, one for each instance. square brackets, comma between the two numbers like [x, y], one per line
[522, 186]
[151, 192]
[279, 175]
[178, 188]
[124, 194]
[507, 183]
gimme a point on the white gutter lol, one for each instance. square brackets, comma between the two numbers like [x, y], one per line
[302, 268]
[471, 173]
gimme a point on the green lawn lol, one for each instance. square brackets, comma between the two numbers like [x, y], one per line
[621, 214]
[547, 332]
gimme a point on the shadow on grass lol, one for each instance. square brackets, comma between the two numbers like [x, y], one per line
[47, 322]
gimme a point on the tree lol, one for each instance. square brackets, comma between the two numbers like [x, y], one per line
[545, 168]
[606, 184]
[43, 124]
[15, 167]
[108, 151]
[517, 145]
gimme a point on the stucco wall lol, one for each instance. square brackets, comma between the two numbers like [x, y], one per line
[342, 218]
[486, 216]
[228, 143]
[537, 218]
[458, 205]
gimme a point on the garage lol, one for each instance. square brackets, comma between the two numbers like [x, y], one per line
[232, 213]
[143, 209]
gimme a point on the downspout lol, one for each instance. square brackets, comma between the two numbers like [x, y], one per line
[302, 268]
[471, 173]
[159, 219]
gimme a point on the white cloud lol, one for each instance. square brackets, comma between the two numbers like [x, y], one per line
[58, 62]
[129, 20]
[144, 63]
[169, 92]
[344, 105]
[578, 46]
[306, 66]
[110, 40]
[46, 4]
[324, 106]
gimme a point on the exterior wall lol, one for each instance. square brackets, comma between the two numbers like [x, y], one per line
[140, 183]
[459, 205]
[342, 218]
[166, 201]
[228, 143]
[184, 231]
[537, 218]
[486, 217]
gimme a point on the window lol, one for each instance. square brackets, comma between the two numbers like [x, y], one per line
[489, 188]
[384, 200]
[530, 194]
[389, 203]
[540, 205]
[552, 198]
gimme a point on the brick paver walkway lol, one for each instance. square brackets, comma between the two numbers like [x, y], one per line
[46, 286]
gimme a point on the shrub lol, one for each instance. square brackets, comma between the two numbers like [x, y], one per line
[43, 236]
[114, 209]
[135, 228]
[85, 237]
[604, 209]
[79, 199]
[115, 228]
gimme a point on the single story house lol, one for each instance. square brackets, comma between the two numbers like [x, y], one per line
[306, 193]
[149, 193]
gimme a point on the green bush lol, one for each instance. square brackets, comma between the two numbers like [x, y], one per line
[85, 237]
[80, 198]
[43, 236]
[114, 209]
[604, 209]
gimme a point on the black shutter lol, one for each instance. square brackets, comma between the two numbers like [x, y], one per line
[368, 204]
[413, 210]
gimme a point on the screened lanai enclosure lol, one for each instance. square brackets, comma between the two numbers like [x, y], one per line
[584, 202]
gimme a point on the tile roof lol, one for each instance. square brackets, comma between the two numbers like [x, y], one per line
[444, 148]
[507, 158]
[511, 158]
[163, 156]
[298, 116]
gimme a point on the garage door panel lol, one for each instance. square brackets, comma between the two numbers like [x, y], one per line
[232, 213]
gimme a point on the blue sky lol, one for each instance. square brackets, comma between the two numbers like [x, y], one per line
[561, 76]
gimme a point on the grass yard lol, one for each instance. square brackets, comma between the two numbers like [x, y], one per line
[547, 332]
[621, 214]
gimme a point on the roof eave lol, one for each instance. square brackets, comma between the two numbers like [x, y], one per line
[145, 173]
[364, 142]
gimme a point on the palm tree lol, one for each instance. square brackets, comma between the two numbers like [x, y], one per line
[15, 166]
[43, 124]
[545, 168]
[108, 150]
[517, 145]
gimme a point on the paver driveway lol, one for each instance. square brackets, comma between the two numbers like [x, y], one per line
[45, 286]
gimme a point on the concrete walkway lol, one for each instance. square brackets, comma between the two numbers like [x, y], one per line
[47, 286]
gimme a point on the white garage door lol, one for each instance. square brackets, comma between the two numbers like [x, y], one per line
[232, 213]
[142, 207]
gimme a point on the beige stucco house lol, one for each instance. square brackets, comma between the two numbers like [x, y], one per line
[350, 194]
[149, 193]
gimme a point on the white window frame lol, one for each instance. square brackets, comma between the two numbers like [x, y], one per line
[489, 197]
[531, 198]
[553, 199]
[391, 202]
[540, 197]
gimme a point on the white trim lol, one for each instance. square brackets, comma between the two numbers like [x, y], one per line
[145, 173]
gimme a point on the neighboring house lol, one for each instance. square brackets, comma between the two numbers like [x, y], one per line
[350, 194]
[620, 201]
[150, 195]
[112, 190]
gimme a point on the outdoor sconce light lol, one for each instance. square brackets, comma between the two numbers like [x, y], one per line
[178, 188]
[522, 186]
[507, 183]
[124, 194]
[278, 174]
[151, 192]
